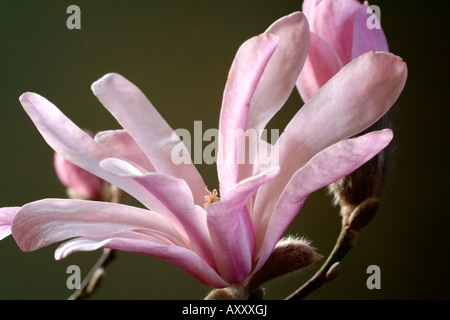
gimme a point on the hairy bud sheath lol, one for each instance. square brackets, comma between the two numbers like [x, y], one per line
[366, 182]
[290, 254]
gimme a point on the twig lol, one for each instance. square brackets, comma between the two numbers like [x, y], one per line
[93, 278]
[330, 268]
[352, 224]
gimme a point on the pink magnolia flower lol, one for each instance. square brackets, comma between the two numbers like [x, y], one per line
[79, 182]
[232, 238]
[338, 35]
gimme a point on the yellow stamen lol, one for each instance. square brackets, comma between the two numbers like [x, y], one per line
[211, 197]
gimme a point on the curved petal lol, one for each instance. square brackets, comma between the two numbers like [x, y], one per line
[142, 121]
[332, 20]
[264, 157]
[245, 73]
[365, 39]
[6, 217]
[320, 66]
[176, 199]
[75, 145]
[323, 169]
[282, 70]
[357, 96]
[43, 222]
[231, 228]
[308, 7]
[136, 242]
[277, 81]
[121, 143]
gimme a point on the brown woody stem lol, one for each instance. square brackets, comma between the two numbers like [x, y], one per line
[328, 271]
[93, 279]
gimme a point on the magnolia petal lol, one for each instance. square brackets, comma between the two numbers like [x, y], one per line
[357, 96]
[322, 64]
[6, 217]
[231, 229]
[332, 20]
[136, 242]
[365, 39]
[93, 243]
[142, 121]
[175, 197]
[74, 144]
[121, 143]
[264, 157]
[245, 73]
[323, 169]
[308, 7]
[277, 81]
[43, 222]
[282, 70]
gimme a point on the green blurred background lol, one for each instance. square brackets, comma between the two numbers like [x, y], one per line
[179, 53]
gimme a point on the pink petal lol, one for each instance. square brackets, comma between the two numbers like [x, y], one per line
[84, 183]
[121, 143]
[278, 79]
[332, 20]
[324, 168]
[365, 39]
[41, 223]
[231, 229]
[322, 64]
[245, 73]
[308, 7]
[142, 121]
[264, 156]
[136, 242]
[6, 217]
[175, 199]
[74, 144]
[357, 96]
[281, 73]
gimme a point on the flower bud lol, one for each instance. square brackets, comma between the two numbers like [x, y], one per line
[363, 214]
[80, 183]
[367, 181]
[333, 272]
[290, 254]
[228, 293]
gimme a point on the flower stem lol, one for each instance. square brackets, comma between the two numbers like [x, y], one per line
[328, 271]
[93, 279]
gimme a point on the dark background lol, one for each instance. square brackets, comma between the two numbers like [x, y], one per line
[179, 53]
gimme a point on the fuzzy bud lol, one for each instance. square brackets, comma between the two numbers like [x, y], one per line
[367, 181]
[290, 254]
[228, 293]
[363, 214]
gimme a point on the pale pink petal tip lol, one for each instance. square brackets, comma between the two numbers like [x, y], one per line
[6, 216]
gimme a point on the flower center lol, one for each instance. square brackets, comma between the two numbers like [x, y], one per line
[211, 197]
